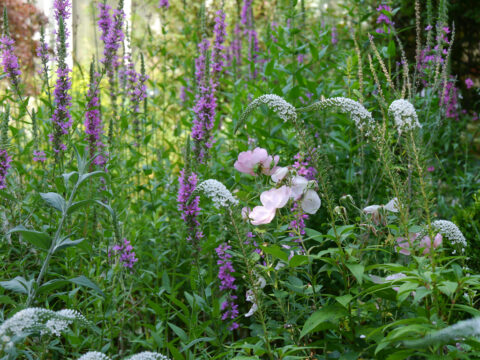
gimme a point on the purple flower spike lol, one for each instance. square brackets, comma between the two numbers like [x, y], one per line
[225, 273]
[218, 47]
[5, 161]
[10, 60]
[61, 117]
[126, 254]
[163, 4]
[39, 156]
[189, 207]
[93, 122]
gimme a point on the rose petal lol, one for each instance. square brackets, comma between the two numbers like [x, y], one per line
[260, 215]
[311, 202]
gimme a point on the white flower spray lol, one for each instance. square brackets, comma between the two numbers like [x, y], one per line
[217, 192]
[404, 115]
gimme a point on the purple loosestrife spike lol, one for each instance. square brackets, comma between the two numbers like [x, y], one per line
[114, 36]
[189, 207]
[205, 105]
[163, 4]
[39, 156]
[93, 121]
[225, 273]
[104, 20]
[137, 91]
[246, 13]
[236, 47]
[61, 117]
[10, 60]
[126, 253]
[384, 19]
[5, 161]
[218, 47]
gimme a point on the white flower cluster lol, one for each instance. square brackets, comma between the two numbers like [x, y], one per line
[362, 117]
[147, 355]
[36, 320]
[282, 108]
[217, 192]
[404, 115]
[94, 355]
[451, 232]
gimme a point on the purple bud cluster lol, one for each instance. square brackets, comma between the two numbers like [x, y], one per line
[205, 101]
[10, 60]
[297, 225]
[104, 20]
[136, 87]
[61, 117]
[126, 254]
[39, 156]
[227, 283]
[334, 38]
[111, 28]
[189, 207]
[252, 36]
[93, 122]
[450, 100]
[384, 19]
[164, 4]
[429, 58]
[235, 50]
[303, 167]
[5, 161]
[218, 47]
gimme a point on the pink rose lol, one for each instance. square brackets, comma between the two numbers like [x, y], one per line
[248, 160]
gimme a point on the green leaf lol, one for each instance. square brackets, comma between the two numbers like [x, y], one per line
[196, 341]
[54, 200]
[52, 285]
[327, 313]
[18, 284]
[298, 260]
[448, 287]
[84, 177]
[86, 282]
[38, 239]
[344, 300]
[66, 242]
[79, 204]
[180, 333]
[357, 271]
[276, 251]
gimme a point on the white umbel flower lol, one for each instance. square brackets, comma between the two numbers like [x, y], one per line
[218, 193]
[148, 356]
[37, 320]
[94, 355]
[451, 232]
[279, 105]
[404, 115]
[362, 117]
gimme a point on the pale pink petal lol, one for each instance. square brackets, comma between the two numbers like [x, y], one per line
[260, 215]
[311, 202]
[403, 246]
[245, 211]
[299, 184]
[392, 205]
[437, 241]
[275, 198]
[259, 155]
[426, 244]
[279, 174]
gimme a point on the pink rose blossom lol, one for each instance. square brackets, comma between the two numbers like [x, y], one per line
[248, 160]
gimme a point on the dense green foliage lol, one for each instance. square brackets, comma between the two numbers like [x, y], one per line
[377, 139]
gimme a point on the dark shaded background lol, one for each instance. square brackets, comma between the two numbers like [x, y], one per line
[465, 60]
